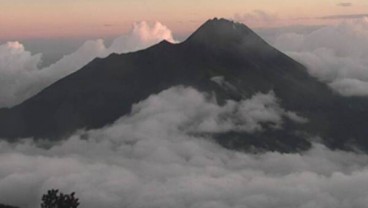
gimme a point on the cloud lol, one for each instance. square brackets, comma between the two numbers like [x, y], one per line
[350, 87]
[336, 54]
[257, 17]
[345, 4]
[202, 114]
[345, 16]
[17, 67]
[143, 34]
[21, 77]
[150, 159]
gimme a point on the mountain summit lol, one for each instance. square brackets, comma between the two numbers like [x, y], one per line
[106, 89]
[225, 35]
[223, 32]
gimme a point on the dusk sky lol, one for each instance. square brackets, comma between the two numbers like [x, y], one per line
[27, 19]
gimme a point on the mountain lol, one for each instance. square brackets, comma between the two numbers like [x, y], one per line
[105, 89]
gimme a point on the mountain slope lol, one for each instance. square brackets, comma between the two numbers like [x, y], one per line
[105, 89]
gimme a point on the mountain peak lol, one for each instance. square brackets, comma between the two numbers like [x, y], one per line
[222, 32]
[221, 21]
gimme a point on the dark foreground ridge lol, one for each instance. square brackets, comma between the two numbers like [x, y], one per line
[105, 89]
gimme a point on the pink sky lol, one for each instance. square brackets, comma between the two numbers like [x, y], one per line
[22, 19]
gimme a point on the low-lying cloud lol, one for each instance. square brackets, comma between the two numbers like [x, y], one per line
[150, 159]
[345, 4]
[203, 114]
[257, 17]
[345, 16]
[21, 77]
[336, 54]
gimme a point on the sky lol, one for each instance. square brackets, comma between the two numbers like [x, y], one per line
[42, 19]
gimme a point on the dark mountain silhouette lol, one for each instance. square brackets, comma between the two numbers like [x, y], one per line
[105, 89]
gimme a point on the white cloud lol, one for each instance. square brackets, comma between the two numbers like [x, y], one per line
[14, 57]
[202, 114]
[345, 4]
[148, 159]
[142, 35]
[15, 60]
[336, 54]
[21, 78]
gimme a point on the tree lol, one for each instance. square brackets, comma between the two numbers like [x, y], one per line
[54, 199]
[6, 206]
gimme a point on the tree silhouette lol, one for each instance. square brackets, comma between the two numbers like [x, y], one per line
[6, 206]
[54, 199]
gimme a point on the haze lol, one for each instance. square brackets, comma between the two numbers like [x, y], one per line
[25, 19]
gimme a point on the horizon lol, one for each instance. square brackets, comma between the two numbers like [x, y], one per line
[42, 19]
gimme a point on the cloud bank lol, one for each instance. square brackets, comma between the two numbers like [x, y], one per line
[258, 18]
[336, 54]
[150, 159]
[345, 4]
[21, 78]
[345, 16]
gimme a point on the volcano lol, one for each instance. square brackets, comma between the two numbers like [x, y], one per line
[105, 89]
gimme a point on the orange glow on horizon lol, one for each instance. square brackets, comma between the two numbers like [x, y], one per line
[21, 19]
